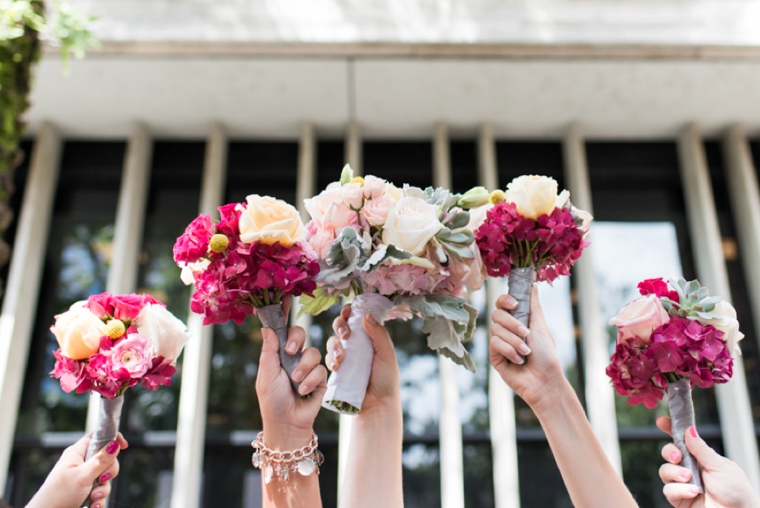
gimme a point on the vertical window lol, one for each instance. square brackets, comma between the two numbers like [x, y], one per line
[76, 266]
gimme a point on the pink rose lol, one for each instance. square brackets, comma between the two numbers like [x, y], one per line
[374, 187]
[353, 195]
[318, 205]
[320, 238]
[639, 318]
[338, 216]
[133, 354]
[376, 210]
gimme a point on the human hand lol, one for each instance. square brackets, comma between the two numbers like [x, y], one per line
[540, 374]
[70, 482]
[384, 389]
[288, 418]
[725, 484]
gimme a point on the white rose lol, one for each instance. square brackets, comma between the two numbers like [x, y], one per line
[478, 216]
[561, 200]
[532, 195]
[411, 223]
[78, 332]
[189, 269]
[394, 192]
[168, 333]
[726, 322]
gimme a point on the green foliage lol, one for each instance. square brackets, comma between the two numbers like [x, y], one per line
[24, 24]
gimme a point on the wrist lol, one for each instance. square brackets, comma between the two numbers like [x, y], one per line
[552, 396]
[285, 437]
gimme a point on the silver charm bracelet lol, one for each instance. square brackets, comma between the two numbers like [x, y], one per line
[273, 463]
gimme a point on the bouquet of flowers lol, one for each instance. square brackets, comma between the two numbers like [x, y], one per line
[668, 339]
[530, 233]
[109, 343]
[398, 253]
[247, 262]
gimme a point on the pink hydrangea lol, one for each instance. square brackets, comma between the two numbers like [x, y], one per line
[390, 279]
[551, 243]
[193, 244]
[657, 287]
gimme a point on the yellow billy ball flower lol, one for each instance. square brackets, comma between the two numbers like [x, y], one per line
[497, 197]
[219, 242]
[358, 179]
[115, 329]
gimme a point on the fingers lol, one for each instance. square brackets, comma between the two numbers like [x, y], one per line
[705, 455]
[296, 340]
[335, 354]
[99, 493]
[675, 493]
[77, 452]
[317, 378]
[663, 423]
[99, 463]
[508, 344]
[506, 302]
[508, 322]
[381, 340]
[340, 324]
[537, 319]
[310, 358]
[671, 453]
[109, 474]
[670, 473]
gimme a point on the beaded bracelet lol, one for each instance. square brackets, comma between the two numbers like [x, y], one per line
[273, 463]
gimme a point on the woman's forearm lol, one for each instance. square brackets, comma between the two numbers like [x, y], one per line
[297, 491]
[589, 476]
[373, 470]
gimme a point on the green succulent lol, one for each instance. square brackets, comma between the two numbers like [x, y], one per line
[695, 300]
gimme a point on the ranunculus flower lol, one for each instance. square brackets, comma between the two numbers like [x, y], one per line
[78, 332]
[532, 195]
[169, 334]
[133, 354]
[270, 220]
[376, 210]
[639, 318]
[727, 323]
[374, 187]
[411, 223]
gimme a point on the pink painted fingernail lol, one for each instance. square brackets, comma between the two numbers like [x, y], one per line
[694, 489]
[97, 496]
[112, 447]
[105, 478]
[673, 456]
[693, 431]
[685, 474]
[96, 505]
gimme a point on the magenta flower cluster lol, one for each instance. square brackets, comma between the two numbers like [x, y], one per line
[118, 363]
[551, 243]
[230, 284]
[679, 348]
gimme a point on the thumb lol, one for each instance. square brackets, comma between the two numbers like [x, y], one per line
[381, 340]
[269, 361]
[98, 463]
[706, 456]
[537, 319]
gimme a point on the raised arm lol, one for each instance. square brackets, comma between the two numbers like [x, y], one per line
[590, 478]
[373, 471]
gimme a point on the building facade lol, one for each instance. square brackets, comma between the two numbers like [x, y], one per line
[651, 126]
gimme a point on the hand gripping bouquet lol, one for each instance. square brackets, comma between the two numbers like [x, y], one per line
[530, 233]
[668, 339]
[398, 253]
[110, 343]
[247, 262]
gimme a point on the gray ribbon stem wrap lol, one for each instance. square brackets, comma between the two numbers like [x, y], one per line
[106, 431]
[271, 316]
[520, 282]
[681, 418]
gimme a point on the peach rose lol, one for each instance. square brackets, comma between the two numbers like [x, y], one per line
[640, 318]
[78, 332]
[270, 220]
[532, 195]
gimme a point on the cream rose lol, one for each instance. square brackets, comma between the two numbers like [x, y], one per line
[270, 220]
[394, 192]
[411, 223]
[532, 195]
[639, 319]
[169, 334]
[78, 332]
[726, 322]
[478, 216]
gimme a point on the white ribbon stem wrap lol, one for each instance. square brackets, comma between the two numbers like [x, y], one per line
[106, 431]
[348, 385]
[681, 418]
[520, 282]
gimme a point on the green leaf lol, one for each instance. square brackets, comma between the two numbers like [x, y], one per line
[382, 254]
[459, 220]
[320, 302]
[346, 254]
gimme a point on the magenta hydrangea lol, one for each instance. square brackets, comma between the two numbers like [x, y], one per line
[681, 348]
[552, 243]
